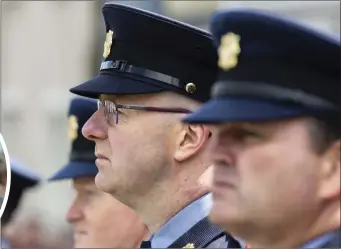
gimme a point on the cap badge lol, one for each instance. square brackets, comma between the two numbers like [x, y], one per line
[228, 51]
[72, 128]
[108, 43]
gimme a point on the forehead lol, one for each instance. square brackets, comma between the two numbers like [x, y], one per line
[154, 98]
[127, 98]
[272, 125]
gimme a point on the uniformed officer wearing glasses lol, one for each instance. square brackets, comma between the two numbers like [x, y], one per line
[155, 70]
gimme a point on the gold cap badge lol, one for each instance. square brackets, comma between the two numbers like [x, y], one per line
[72, 128]
[189, 245]
[228, 51]
[108, 43]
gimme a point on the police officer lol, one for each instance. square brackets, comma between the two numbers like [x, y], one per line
[98, 220]
[155, 70]
[22, 179]
[275, 115]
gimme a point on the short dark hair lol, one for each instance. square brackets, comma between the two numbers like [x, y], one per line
[323, 133]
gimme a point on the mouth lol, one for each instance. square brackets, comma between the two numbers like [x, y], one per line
[101, 156]
[219, 183]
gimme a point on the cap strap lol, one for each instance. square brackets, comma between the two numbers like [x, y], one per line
[122, 66]
[266, 91]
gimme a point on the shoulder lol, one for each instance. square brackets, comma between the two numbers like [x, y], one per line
[334, 241]
[224, 241]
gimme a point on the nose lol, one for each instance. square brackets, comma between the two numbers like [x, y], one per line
[75, 213]
[96, 127]
[221, 150]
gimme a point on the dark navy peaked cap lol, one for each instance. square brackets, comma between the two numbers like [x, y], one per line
[22, 179]
[22, 175]
[271, 68]
[82, 158]
[148, 53]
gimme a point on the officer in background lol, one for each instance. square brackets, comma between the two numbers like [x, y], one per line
[275, 115]
[98, 220]
[22, 179]
[156, 69]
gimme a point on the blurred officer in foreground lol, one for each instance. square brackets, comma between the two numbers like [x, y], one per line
[22, 179]
[275, 116]
[98, 220]
[156, 69]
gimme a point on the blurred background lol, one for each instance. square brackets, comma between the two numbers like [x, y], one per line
[48, 47]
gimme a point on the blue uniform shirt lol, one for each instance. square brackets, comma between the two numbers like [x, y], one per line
[319, 242]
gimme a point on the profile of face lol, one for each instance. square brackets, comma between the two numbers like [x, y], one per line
[264, 169]
[135, 152]
[100, 221]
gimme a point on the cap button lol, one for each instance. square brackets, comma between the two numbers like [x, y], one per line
[190, 87]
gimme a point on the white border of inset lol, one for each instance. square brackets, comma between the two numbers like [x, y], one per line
[8, 180]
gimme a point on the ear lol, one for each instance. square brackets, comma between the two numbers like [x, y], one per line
[191, 140]
[330, 173]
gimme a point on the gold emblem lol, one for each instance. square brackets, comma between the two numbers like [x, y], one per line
[189, 245]
[72, 128]
[228, 51]
[108, 43]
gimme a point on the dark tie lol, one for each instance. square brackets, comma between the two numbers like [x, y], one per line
[146, 244]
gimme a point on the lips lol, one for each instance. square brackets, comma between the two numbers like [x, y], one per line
[222, 183]
[101, 156]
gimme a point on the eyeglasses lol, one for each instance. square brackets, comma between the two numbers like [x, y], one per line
[111, 109]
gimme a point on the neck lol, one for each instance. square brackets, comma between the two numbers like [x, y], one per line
[157, 208]
[296, 235]
[138, 240]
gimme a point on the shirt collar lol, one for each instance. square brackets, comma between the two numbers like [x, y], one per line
[319, 241]
[182, 222]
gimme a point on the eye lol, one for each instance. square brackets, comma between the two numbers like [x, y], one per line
[244, 135]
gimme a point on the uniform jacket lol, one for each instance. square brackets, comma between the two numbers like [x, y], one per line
[191, 228]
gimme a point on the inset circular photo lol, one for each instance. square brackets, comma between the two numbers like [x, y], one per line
[5, 175]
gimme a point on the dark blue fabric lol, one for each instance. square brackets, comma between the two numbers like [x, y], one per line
[82, 159]
[284, 69]
[157, 43]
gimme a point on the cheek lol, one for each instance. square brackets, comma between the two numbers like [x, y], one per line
[277, 174]
[98, 217]
[124, 140]
[137, 143]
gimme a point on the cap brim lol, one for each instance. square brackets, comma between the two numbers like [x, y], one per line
[75, 170]
[111, 83]
[223, 110]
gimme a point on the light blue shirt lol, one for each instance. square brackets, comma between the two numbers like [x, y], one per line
[182, 222]
[4, 243]
[319, 241]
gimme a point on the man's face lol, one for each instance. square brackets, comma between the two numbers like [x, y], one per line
[100, 221]
[135, 152]
[262, 171]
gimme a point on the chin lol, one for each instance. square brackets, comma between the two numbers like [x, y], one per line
[222, 214]
[102, 182]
